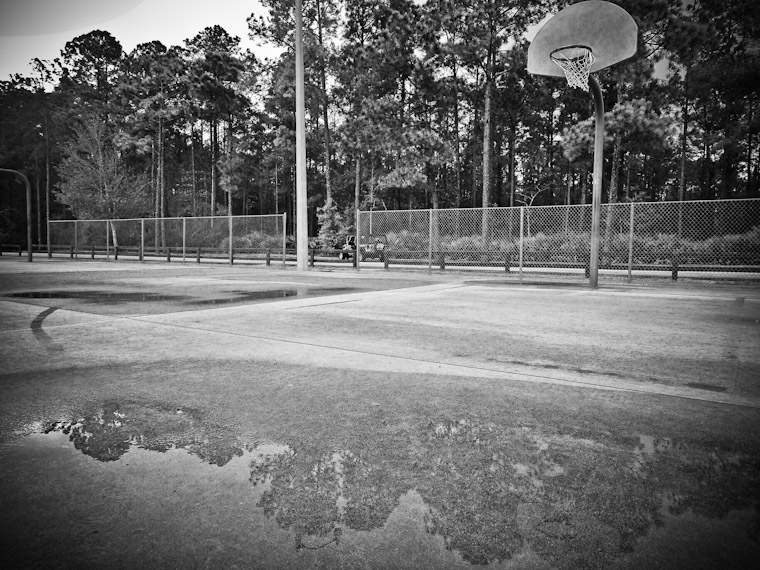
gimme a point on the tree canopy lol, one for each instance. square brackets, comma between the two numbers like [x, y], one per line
[410, 104]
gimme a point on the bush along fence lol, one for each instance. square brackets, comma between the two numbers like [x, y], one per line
[260, 238]
[694, 238]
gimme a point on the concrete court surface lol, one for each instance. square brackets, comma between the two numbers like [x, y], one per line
[691, 342]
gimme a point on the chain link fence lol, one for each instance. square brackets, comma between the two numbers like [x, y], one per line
[223, 237]
[695, 238]
[690, 239]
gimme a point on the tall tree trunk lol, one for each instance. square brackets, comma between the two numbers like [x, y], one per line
[751, 111]
[228, 151]
[157, 204]
[613, 195]
[160, 174]
[457, 150]
[192, 170]
[474, 161]
[47, 181]
[684, 140]
[486, 158]
[323, 80]
[161, 177]
[615, 177]
[38, 205]
[214, 159]
[357, 188]
[512, 178]
[582, 189]
[487, 145]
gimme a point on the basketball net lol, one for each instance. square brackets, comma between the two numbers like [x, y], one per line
[576, 62]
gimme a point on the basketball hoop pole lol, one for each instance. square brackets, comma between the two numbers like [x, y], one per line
[596, 192]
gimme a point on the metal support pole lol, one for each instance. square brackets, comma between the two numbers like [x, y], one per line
[596, 194]
[108, 240]
[284, 237]
[522, 222]
[76, 239]
[302, 219]
[430, 241]
[184, 238]
[230, 237]
[357, 260]
[142, 240]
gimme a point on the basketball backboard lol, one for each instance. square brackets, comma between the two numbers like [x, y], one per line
[605, 28]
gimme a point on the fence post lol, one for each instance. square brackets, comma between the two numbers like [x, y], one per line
[284, 236]
[76, 240]
[522, 222]
[357, 263]
[630, 245]
[108, 240]
[184, 238]
[230, 236]
[430, 241]
[142, 240]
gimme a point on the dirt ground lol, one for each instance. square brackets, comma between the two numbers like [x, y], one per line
[157, 415]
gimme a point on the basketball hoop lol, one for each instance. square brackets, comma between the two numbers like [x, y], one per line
[576, 62]
[584, 38]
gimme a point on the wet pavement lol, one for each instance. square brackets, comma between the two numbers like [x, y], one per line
[230, 418]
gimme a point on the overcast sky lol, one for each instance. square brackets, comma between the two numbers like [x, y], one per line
[40, 28]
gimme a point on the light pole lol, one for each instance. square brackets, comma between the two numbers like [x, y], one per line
[302, 221]
[28, 209]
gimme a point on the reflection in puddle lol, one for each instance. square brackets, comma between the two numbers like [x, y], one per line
[172, 509]
[109, 432]
[242, 296]
[248, 296]
[461, 492]
[708, 387]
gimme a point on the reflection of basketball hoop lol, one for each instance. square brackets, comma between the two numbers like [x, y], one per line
[576, 62]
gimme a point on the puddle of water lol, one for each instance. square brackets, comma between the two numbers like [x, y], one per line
[159, 486]
[103, 297]
[114, 298]
[243, 296]
[646, 452]
[708, 387]
[271, 294]
[174, 508]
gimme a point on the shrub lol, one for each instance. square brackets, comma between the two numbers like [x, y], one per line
[406, 240]
[660, 248]
[253, 240]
